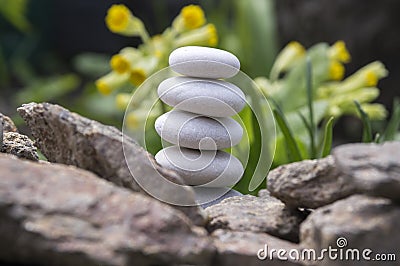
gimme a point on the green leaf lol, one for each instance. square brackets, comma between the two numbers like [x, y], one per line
[310, 106]
[367, 129]
[297, 125]
[308, 127]
[328, 135]
[14, 12]
[255, 18]
[92, 64]
[293, 149]
[46, 89]
[394, 123]
[377, 138]
[295, 84]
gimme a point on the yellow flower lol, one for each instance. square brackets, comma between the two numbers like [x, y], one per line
[287, 58]
[193, 16]
[375, 111]
[122, 100]
[339, 52]
[368, 76]
[371, 78]
[122, 62]
[137, 118]
[142, 68]
[206, 35]
[132, 120]
[120, 20]
[158, 46]
[362, 95]
[111, 82]
[213, 35]
[137, 76]
[336, 70]
[119, 64]
[117, 18]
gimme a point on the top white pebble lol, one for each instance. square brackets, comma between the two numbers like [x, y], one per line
[204, 62]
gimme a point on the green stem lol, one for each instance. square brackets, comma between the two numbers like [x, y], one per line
[310, 106]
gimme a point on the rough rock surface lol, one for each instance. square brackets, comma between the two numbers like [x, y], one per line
[309, 183]
[60, 215]
[68, 138]
[250, 213]
[374, 169]
[241, 248]
[19, 145]
[8, 124]
[364, 222]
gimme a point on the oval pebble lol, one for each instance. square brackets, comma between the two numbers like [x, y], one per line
[204, 62]
[202, 168]
[202, 96]
[198, 132]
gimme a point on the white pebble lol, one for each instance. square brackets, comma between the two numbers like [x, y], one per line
[202, 168]
[198, 132]
[202, 96]
[204, 62]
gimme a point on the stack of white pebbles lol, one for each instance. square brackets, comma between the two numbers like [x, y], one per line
[200, 126]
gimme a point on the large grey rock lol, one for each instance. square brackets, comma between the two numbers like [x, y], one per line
[212, 196]
[68, 138]
[374, 169]
[60, 215]
[241, 248]
[8, 124]
[250, 213]
[19, 145]
[309, 183]
[360, 222]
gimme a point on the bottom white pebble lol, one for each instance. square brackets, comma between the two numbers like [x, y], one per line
[202, 168]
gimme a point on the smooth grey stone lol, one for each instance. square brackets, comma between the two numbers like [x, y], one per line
[202, 168]
[202, 96]
[198, 132]
[204, 62]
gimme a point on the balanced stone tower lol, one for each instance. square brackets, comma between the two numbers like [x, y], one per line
[200, 126]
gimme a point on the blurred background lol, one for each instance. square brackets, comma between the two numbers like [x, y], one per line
[53, 50]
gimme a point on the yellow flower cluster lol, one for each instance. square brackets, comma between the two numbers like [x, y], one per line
[288, 76]
[360, 86]
[132, 66]
[338, 54]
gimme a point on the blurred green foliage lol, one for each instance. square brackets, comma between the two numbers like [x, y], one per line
[14, 11]
[247, 29]
[309, 94]
[387, 132]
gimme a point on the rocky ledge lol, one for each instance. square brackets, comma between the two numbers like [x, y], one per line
[84, 208]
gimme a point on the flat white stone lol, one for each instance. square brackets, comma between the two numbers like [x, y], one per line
[202, 96]
[198, 132]
[202, 168]
[204, 62]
